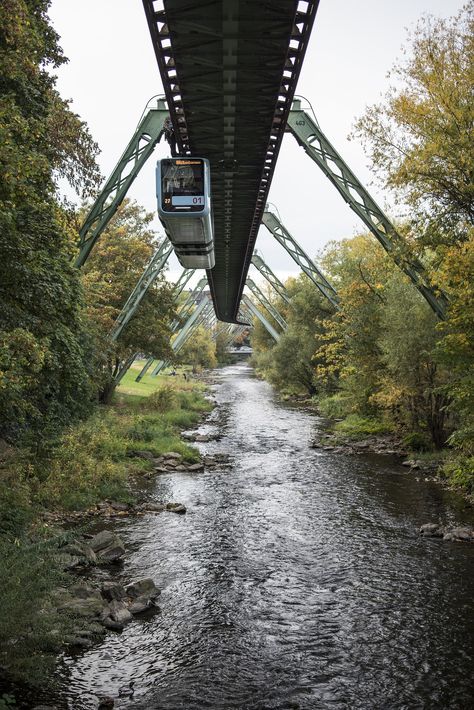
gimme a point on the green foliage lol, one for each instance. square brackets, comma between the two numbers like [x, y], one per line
[420, 137]
[109, 277]
[31, 629]
[40, 139]
[416, 441]
[459, 473]
[355, 426]
[162, 400]
[199, 351]
[336, 406]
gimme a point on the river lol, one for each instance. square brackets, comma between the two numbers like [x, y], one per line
[296, 579]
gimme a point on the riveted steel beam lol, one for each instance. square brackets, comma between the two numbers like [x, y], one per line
[203, 309]
[309, 135]
[260, 296]
[273, 280]
[148, 277]
[258, 314]
[141, 146]
[178, 288]
[288, 242]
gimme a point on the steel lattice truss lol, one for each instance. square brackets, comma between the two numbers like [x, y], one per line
[311, 138]
[229, 69]
[139, 149]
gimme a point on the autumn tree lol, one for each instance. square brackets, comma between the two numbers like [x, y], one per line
[199, 351]
[420, 138]
[109, 276]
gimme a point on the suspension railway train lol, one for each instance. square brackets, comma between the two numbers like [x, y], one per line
[183, 188]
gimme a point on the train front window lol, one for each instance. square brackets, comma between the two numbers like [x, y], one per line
[182, 183]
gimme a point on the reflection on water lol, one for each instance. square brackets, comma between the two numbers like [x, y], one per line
[296, 580]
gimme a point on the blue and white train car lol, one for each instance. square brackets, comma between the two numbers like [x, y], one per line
[183, 190]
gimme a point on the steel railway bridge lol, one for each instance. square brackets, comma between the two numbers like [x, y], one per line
[229, 69]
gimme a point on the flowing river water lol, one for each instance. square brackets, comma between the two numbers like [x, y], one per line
[296, 579]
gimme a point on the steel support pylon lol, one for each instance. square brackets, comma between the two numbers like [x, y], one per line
[201, 311]
[309, 135]
[273, 280]
[150, 274]
[258, 314]
[266, 304]
[141, 146]
[288, 242]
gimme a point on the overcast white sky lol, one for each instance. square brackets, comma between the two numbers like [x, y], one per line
[112, 73]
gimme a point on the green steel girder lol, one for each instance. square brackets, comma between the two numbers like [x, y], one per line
[309, 135]
[178, 288]
[141, 146]
[288, 242]
[182, 281]
[273, 280]
[258, 314]
[150, 274]
[266, 303]
[185, 310]
[184, 313]
[203, 309]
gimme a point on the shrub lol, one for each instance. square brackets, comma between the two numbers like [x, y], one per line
[417, 441]
[162, 400]
[354, 425]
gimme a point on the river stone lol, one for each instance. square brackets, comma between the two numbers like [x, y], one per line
[90, 607]
[195, 467]
[107, 546]
[460, 535]
[119, 612]
[111, 624]
[431, 530]
[142, 588]
[173, 455]
[112, 590]
[68, 562]
[140, 605]
[176, 508]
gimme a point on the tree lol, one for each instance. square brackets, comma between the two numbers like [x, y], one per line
[109, 276]
[420, 138]
[199, 351]
[41, 315]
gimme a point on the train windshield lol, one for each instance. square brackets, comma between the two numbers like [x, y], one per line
[182, 183]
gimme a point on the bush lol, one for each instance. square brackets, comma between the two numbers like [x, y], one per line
[354, 425]
[334, 407]
[459, 473]
[162, 400]
[31, 630]
[417, 441]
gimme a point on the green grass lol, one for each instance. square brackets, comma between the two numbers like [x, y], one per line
[87, 464]
[355, 426]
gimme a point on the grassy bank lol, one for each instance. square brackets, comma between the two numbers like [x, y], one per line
[87, 464]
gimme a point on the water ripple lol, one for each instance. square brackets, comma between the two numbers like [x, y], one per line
[296, 580]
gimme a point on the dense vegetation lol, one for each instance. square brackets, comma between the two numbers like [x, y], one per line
[383, 360]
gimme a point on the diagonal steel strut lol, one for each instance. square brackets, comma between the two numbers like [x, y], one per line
[141, 146]
[288, 242]
[309, 135]
[273, 280]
